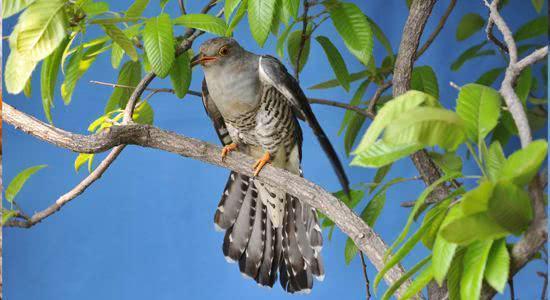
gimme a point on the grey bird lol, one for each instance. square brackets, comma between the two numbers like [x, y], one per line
[255, 105]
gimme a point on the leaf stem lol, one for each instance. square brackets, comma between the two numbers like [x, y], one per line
[476, 158]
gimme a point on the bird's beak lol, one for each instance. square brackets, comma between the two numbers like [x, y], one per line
[201, 59]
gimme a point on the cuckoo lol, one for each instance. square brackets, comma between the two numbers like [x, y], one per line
[255, 105]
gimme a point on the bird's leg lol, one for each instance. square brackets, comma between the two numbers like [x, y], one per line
[227, 149]
[260, 163]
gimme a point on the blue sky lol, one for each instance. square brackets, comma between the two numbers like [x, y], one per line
[145, 230]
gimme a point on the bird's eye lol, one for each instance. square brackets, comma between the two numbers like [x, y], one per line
[223, 50]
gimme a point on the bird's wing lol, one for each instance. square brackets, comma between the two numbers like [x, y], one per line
[215, 115]
[273, 73]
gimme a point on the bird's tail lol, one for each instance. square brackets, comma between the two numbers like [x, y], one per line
[263, 249]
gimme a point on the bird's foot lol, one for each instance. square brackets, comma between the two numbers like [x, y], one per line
[227, 149]
[261, 163]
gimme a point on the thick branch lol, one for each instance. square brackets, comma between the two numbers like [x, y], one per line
[151, 137]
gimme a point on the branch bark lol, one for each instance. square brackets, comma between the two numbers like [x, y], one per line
[152, 137]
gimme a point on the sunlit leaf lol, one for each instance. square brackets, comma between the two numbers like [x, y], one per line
[474, 262]
[397, 284]
[350, 251]
[119, 37]
[498, 266]
[158, 40]
[381, 153]
[523, 164]
[260, 18]
[11, 7]
[129, 75]
[180, 75]
[479, 107]
[494, 161]
[203, 22]
[424, 80]
[510, 206]
[19, 181]
[48, 78]
[419, 283]
[137, 8]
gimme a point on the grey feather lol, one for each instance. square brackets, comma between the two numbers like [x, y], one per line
[237, 236]
[251, 260]
[232, 199]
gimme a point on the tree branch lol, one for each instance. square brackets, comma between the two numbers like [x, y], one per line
[379, 91]
[152, 137]
[437, 30]
[303, 39]
[491, 37]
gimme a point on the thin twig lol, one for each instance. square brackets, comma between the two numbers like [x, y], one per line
[182, 7]
[491, 36]
[379, 91]
[512, 290]
[367, 282]
[303, 39]
[544, 276]
[437, 30]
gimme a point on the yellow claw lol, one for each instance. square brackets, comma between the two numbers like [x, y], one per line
[227, 149]
[260, 163]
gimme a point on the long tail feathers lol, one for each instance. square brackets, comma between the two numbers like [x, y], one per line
[263, 250]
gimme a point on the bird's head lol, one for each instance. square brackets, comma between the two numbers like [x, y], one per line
[217, 51]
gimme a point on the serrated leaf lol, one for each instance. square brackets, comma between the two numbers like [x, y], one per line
[448, 162]
[479, 107]
[474, 262]
[116, 56]
[419, 283]
[202, 22]
[180, 75]
[531, 29]
[11, 7]
[498, 266]
[436, 215]
[119, 37]
[353, 27]
[41, 29]
[469, 24]
[470, 53]
[143, 114]
[92, 9]
[336, 61]
[334, 82]
[523, 164]
[510, 206]
[489, 77]
[137, 8]
[48, 78]
[429, 126]
[494, 161]
[397, 284]
[443, 251]
[291, 7]
[237, 18]
[129, 75]
[350, 251]
[471, 228]
[260, 18]
[391, 111]
[454, 275]
[81, 159]
[477, 200]
[229, 7]
[158, 41]
[381, 153]
[424, 80]
[18, 68]
[293, 44]
[19, 181]
[381, 37]
[72, 75]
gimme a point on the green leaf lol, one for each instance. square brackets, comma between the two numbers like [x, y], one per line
[376, 204]
[469, 24]
[397, 284]
[334, 82]
[17, 183]
[538, 4]
[489, 77]
[119, 37]
[355, 101]
[143, 114]
[474, 262]
[129, 75]
[498, 266]
[523, 85]
[18, 70]
[115, 20]
[443, 253]
[137, 8]
[282, 39]
[11, 7]
[291, 7]
[294, 40]
[356, 196]
[522, 165]
[203, 22]
[41, 29]
[477, 199]
[380, 36]
[158, 40]
[353, 27]
[429, 126]
[454, 275]
[92, 9]
[229, 7]
[381, 153]
[260, 18]
[180, 75]
[379, 177]
[424, 80]
[27, 90]
[419, 283]
[72, 75]
[336, 61]
[116, 56]
[48, 78]
[352, 131]
[435, 216]
[237, 18]
[510, 206]
[471, 228]
[390, 112]
[448, 162]
[81, 159]
[531, 29]
[494, 161]
[469, 54]
[479, 107]
[350, 251]
[7, 215]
